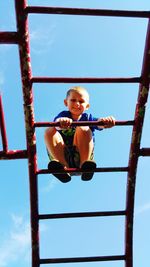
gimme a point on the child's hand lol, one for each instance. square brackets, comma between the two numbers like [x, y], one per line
[108, 122]
[64, 122]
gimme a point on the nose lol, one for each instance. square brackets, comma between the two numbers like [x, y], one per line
[77, 103]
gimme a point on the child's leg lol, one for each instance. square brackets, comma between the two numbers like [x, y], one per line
[83, 140]
[55, 145]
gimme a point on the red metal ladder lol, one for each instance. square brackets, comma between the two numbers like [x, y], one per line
[20, 37]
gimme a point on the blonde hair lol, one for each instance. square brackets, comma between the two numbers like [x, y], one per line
[78, 89]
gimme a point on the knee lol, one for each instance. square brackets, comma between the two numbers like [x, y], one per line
[49, 132]
[84, 131]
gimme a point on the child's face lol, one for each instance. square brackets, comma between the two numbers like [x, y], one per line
[77, 103]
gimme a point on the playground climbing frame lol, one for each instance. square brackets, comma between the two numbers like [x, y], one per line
[21, 38]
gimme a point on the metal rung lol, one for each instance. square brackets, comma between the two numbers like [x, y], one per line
[14, 154]
[76, 170]
[8, 38]
[85, 80]
[86, 12]
[145, 151]
[83, 259]
[83, 123]
[82, 214]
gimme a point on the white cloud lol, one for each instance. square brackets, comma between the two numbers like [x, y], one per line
[142, 208]
[50, 185]
[16, 247]
[17, 220]
[42, 39]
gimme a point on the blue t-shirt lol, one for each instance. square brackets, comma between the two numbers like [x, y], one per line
[68, 134]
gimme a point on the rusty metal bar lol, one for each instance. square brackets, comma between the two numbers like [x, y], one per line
[26, 75]
[83, 259]
[145, 151]
[84, 80]
[72, 170]
[3, 127]
[14, 154]
[135, 148]
[86, 12]
[82, 214]
[9, 38]
[83, 123]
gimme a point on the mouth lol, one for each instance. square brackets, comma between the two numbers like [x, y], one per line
[76, 109]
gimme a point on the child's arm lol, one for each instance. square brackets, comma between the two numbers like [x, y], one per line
[65, 122]
[108, 122]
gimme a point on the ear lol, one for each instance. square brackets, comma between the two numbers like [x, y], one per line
[87, 106]
[65, 102]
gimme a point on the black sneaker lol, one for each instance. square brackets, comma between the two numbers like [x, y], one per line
[56, 165]
[88, 165]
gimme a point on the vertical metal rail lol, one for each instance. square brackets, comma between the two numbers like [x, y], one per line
[135, 148]
[26, 74]
[5, 153]
[2, 127]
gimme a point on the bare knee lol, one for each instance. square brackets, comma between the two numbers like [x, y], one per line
[82, 134]
[83, 129]
[52, 137]
[49, 132]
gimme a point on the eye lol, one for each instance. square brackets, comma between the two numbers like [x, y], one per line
[73, 100]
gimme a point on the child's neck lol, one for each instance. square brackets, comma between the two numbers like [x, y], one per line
[76, 117]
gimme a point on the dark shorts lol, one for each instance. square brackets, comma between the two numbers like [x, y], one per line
[72, 156]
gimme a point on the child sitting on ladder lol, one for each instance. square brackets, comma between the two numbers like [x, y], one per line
[73, 147]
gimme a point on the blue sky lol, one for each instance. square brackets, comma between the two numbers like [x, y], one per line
[75, 47]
